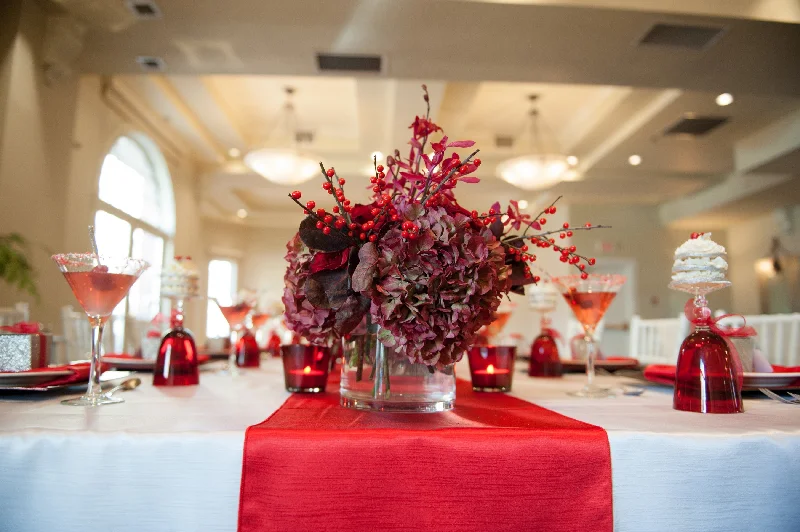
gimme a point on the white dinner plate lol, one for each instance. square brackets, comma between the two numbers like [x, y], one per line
[31, 378]
[769, 380]
[610, 365]
[129, 363]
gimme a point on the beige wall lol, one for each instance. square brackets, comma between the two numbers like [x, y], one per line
[751, 240]
[637, 234]
[34, 159]
[54, 140]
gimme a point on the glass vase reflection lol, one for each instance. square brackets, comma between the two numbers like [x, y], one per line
[176, 364]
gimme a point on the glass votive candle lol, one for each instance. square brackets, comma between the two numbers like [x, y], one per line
[305, 367]
[492, 367]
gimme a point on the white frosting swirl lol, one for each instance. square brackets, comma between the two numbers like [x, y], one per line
[699, 247]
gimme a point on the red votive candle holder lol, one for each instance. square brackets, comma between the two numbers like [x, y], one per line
[492, 367]
[305, 367]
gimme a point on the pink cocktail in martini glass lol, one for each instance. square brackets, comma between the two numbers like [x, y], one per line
[236, 316]
[589, 299]
[99, 284]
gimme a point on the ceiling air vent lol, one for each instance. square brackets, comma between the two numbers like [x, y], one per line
[151, 64]
[696, 126]
[682, 36]
[503, 141]
[349, 63]
[304, 137]
[144, 9]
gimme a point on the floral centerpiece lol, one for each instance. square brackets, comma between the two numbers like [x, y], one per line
[421, 272]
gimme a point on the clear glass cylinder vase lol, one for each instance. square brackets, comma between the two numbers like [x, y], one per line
[375, 378]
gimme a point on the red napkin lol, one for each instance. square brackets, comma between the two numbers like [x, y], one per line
[80, 374]
[665, 374]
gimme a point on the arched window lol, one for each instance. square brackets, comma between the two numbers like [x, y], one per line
[135, 217]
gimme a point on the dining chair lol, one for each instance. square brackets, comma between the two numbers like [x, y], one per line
[778, 335]
[656, 341]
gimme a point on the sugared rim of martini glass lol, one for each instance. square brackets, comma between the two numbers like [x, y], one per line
[78, 262]
[611, 282]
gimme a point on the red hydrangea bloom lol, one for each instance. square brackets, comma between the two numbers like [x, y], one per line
[313, 324]
[430, 295]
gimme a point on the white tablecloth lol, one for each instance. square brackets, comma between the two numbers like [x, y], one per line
[170, 459]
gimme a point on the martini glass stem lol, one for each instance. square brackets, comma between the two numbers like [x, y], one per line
[591, 352]
[232, 368]
[94, 389]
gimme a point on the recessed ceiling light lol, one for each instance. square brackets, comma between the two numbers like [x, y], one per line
[724, 99]
[523, 204]
[572, 160]
[634, 160]
[241, 213]
[378, 156]
[234, 152]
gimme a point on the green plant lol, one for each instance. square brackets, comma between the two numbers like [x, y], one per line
[15, 268]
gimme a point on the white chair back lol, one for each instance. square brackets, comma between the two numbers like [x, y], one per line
[778, 336]
[656, 341]
[10, 316]
[77, 334]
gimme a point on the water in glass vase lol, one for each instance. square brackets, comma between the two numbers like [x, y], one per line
[374, 378]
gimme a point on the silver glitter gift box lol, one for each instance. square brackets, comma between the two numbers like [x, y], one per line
[21, 352]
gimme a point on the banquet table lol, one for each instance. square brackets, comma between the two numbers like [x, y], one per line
[170, 459]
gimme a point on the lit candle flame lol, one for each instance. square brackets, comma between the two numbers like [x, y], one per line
[490, 369]
[307, 370]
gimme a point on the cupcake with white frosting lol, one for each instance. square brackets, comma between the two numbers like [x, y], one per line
[180, 279]
[699, 260]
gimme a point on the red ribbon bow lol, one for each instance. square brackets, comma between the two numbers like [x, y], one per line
[701, 316]
[552, 332]
[23, 327]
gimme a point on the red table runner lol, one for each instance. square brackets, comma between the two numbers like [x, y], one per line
[492, 463]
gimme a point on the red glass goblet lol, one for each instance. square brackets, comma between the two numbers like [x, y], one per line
[248, 354]
[492, 367]
[305, 367]
[707, 378]
[176, 364]
[545, 360]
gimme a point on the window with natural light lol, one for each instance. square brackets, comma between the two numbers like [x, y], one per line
[222, 288]
[135, 217]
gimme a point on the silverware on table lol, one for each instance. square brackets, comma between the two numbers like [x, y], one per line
[775, 397]
[126, 385]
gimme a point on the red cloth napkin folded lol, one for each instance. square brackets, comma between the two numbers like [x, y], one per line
[665, 374]
[493, 463]
[80, 374]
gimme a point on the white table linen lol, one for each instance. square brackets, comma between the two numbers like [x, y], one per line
[170, 459]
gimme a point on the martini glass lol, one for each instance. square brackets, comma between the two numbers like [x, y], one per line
[236, 316]
[99, 284]
[589, 298]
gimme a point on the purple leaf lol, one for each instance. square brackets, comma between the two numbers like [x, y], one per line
[317, 240]
[349, 315]
[536, 226]
[328, 289]
[365, 271]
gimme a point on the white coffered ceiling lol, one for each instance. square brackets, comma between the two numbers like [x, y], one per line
[602, 95]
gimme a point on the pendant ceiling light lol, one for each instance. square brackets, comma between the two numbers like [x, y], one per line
[540, 168]
[284, 165]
